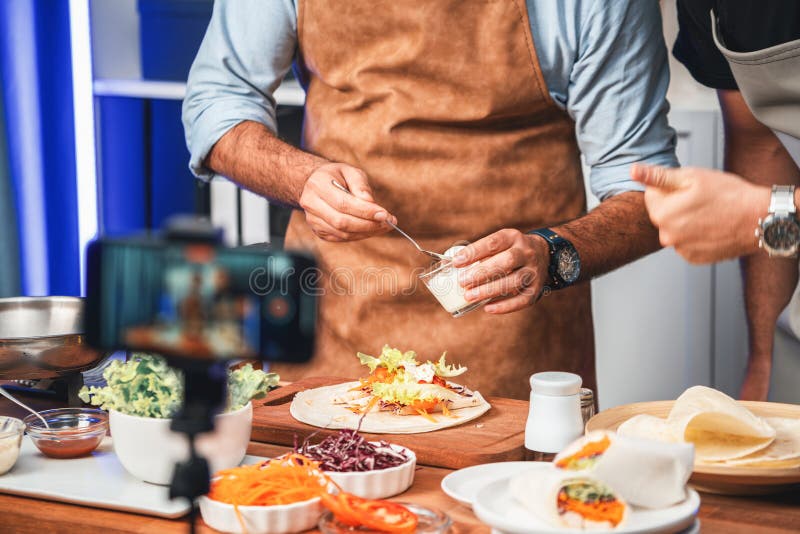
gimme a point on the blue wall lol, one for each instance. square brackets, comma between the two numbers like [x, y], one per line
[35, 71]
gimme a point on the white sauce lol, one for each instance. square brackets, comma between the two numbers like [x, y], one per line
[425, 372]
[9, 452]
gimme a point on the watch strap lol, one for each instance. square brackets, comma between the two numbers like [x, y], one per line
[782, 200]
[552, 238]
[553, 241]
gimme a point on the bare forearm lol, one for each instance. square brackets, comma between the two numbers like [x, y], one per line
[755, 153]
[250, 155]
[615, 233]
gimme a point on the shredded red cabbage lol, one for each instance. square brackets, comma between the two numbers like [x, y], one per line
[348, 451]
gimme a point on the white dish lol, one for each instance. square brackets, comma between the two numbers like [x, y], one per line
[279, 519]
[495, 506]
[463, 485]
[149, 449]
[381, 483]
[693, 529]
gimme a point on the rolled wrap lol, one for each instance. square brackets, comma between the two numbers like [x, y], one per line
[538, 492]
[645, 473]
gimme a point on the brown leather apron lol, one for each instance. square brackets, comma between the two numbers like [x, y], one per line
[444, 106]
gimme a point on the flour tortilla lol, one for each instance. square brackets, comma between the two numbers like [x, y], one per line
[316, 407]
[646, 426]
[644, 472]
[538, 492]
[784, 452]
[719, 427]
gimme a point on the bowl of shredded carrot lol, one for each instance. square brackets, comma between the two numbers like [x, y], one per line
[277, 496]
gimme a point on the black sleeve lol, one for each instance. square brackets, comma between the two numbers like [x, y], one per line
[695, 46]
[744, 26]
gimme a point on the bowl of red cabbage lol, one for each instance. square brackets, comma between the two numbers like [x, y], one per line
[368, 469]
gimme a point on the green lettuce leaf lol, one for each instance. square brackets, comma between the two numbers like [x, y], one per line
[391, 359]
[246, 384]
[146, 386]
[447, 371]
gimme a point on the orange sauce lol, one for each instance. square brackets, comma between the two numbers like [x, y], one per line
[69, 447]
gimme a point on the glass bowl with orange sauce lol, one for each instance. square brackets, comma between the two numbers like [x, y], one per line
[72, 432]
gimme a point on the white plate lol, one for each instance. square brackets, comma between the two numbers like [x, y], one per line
[693, 529]
[463, 485]
[97, 480]
[495, 506]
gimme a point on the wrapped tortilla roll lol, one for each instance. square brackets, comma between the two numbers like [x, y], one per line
[569, 499]
[645, 473]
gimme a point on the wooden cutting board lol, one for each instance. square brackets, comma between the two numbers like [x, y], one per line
[497, 436]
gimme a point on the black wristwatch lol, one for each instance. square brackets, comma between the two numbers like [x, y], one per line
[565, 262]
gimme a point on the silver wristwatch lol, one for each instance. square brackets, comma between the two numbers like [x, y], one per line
[779, 232]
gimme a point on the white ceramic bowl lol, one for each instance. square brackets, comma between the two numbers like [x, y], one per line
[278, 519]
[381, 483]
[148, 449]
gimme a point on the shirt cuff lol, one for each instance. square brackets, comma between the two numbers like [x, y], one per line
[215, 121]
[613, 180]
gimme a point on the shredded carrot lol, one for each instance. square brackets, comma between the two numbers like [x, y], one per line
[426, 415]
[593, 448]
[370, 405]
[611, 511]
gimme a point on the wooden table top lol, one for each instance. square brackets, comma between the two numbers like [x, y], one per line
[775, 514]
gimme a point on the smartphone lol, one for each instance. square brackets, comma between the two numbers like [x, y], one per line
[197, 300]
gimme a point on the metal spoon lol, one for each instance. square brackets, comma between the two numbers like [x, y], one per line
[428, 252]
[8, 395]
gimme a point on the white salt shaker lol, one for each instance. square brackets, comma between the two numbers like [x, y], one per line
[554, 417]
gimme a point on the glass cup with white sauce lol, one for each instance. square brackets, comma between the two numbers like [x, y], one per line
[442, 280]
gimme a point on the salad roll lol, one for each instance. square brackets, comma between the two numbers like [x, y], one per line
[563, 498]
[646, 473]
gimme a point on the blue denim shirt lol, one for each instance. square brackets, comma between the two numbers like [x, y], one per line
[604, 62]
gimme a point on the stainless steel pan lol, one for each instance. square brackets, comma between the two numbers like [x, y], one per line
[42, 337]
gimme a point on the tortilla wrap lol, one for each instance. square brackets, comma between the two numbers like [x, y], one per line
[316, 407]
[784, 452]
[720, 428]
[645, 473]
[646, 426]
[538, 491]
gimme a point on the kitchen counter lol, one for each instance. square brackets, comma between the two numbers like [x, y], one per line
[775, 514]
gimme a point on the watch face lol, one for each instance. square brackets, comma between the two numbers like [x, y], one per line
[569, 264]
[782, 234]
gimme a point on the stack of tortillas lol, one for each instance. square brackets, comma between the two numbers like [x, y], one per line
[722, 431]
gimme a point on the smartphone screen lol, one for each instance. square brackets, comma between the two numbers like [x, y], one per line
[199, 301]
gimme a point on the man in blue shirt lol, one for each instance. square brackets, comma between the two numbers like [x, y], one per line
[459, 120]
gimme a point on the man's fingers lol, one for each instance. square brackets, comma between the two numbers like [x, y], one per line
[520, 281]
[330, 233]
[342, 221]
[661, 177]
[483, 248]
[511, 304]
[357, 183]
[349, 204]
[492, 269]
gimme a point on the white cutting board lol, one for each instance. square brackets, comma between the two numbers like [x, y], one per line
[98, 480]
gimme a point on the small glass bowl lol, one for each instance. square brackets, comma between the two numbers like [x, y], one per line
[430, 522]
[11, 430]
[73, 432]
[441, 279]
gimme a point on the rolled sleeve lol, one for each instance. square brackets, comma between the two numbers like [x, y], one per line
[247, 50]
[617, 94]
